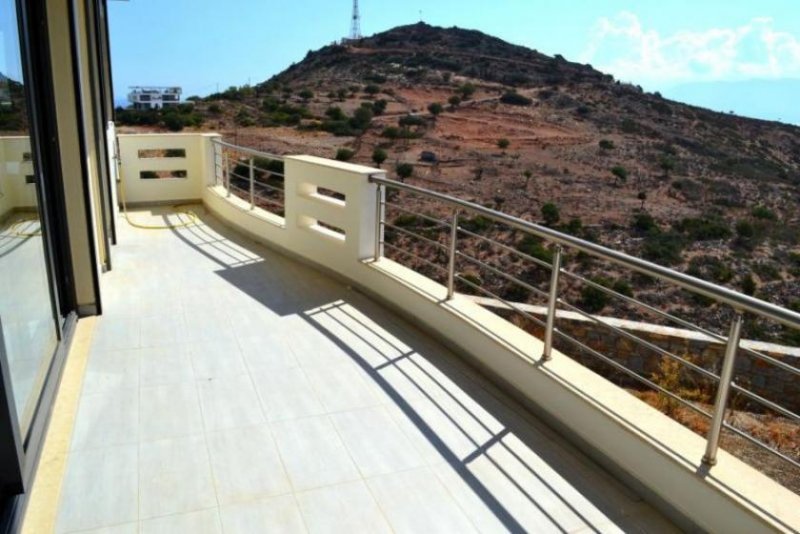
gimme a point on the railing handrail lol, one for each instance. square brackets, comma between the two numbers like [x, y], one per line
[741, 302]
[250, 151]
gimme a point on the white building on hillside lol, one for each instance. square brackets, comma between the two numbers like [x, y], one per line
[154, 97]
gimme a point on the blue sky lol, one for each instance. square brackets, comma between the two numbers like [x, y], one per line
[661, 45]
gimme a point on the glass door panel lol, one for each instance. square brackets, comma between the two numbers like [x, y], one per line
[26, 306]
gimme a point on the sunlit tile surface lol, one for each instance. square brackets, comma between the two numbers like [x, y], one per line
[231, 389]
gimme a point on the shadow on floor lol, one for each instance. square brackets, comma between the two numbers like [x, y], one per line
[520, 449]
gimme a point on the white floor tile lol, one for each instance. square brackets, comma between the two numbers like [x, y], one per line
[415, 501]
[229, 403]
[312, 452]
[246, 465]
[106, 419]
[169, 411]
[164, 365]
[175, 477]
[99, 489]
[287, 394]
[375, 442]
[278, 515]
[202, 522]
[216, 359]
[341, 509]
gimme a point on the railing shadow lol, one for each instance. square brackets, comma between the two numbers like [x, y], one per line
[455, 391]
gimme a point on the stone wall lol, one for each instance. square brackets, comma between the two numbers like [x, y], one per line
[760, 377]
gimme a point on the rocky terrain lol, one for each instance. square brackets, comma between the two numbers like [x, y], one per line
[547, 140]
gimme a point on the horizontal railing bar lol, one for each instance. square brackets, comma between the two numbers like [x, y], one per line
[636, 339]
[738, 301]
[648, 307]
[528, 257]
[500, 273]
[416, 236]
[769, 359]
[271, 201]
[420, 215]
[246, 150]
[246, 163]
[682, 322]
[262, 184]
[509, 304]
[632, 374]
[765, 402]
[761, 444]
[403, 251]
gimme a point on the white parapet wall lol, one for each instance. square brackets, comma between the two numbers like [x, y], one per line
[17, 190]
[659, 455]
[162, 168]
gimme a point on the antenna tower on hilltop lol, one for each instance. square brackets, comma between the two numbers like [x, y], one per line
[355, 27]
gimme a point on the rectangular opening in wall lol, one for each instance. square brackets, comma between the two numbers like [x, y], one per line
[162, 175]
[26, 157]
[330, 194]
[329, 230]
[162, 153]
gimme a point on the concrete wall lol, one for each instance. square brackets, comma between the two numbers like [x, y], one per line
[641, 444]
[135, 190]
[15, 193]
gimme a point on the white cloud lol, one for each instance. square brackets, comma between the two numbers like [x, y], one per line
[622, 46]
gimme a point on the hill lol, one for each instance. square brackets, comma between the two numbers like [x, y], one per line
[710, 193]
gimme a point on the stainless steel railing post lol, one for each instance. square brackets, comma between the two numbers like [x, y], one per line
[551, 304]
[451, 263]
[380, 213]
[227, 175]
[724, 390]
[252, 186]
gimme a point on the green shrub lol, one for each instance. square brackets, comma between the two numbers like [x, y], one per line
[411, 120]
[710, 268]
[215, 109]
[606, 144]
[372, 89]
[344, 154]
[644, 223]
[466, 91]
[379, 156]
[593, 300]
[173, 122]
[392, 132]
[306, 94]
[550, 214]
[704, 228]
[764, 213]
[335, 113]
[748, 285]
[476, 224]
[435, 109]
[515, 99]
[533, 246]
[404, 171]
[620, 173]
[503, 144]
[665, 248]
[623, 287]
[379, 107]
[745, 229]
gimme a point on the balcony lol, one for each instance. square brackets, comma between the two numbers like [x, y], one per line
[261, 365]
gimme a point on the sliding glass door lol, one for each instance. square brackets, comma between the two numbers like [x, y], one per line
[29, 324]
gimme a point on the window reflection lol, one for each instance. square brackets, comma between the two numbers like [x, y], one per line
[26, 312]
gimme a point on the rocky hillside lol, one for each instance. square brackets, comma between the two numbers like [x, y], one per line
[545, 139]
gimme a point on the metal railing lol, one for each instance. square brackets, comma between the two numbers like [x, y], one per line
[450, 233]
[251, 175]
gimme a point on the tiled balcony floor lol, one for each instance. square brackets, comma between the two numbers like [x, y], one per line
[230, 389]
